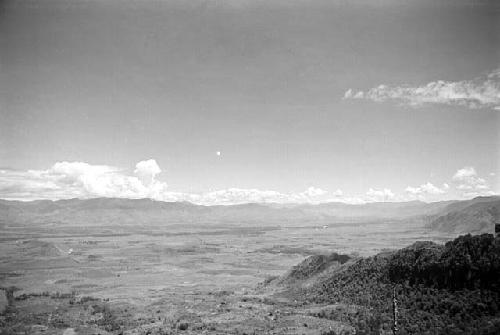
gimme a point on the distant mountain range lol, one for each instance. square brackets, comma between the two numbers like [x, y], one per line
[473, 216]
[476, 215]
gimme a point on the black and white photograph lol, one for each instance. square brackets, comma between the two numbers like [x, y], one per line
[246, 167]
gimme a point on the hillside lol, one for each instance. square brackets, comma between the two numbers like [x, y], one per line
[474, 216]
[442, 289]
[312, 269]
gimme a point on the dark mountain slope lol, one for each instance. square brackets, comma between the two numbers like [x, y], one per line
[442, 289]
[313, 267]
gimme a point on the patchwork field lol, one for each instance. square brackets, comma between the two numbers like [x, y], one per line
[163, 272]
[140, 264]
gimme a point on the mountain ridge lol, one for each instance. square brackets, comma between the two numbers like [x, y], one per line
[476, 215]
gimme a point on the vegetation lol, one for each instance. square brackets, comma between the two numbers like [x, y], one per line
[450, 289]
[315, 264]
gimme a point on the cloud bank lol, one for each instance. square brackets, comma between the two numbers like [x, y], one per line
[65, 180]
[82, 180]
[385, 194]
[481, 92]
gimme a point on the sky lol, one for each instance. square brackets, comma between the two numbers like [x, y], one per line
[223, 102]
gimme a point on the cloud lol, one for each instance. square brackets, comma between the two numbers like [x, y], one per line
[465, 173]
[469, 183]
[374, 195]
[427, 188]
[240, 196]
[337, 193]
[82, 180]
[350, 94]
[313, 192]
[481, 92]
[147, 171]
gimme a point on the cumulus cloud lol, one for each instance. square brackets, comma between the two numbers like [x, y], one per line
[469, 183]
[147, 171]
[240, 196]
[83, 180]
[375, 195]
[481, 92]
[337, 193]
[426, 189]
[465, 173]
[350, 94]
[313, 192]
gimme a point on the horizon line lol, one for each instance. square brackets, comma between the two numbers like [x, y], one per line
[253, 203]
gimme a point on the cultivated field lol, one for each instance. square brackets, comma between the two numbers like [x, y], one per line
[154, 277]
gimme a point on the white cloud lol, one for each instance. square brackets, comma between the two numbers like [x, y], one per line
[350, 94]
[464, 173]
[469, 183]
[147, 171]
[481, 92]
[426, 192]
[313, 192]
[240, 196]
[427, 188]
[83, 180]
[385, 194]
[337, 193]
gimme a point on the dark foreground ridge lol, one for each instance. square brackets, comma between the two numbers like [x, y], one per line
[441, 289]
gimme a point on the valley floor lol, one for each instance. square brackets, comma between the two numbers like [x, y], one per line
[173, 279]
